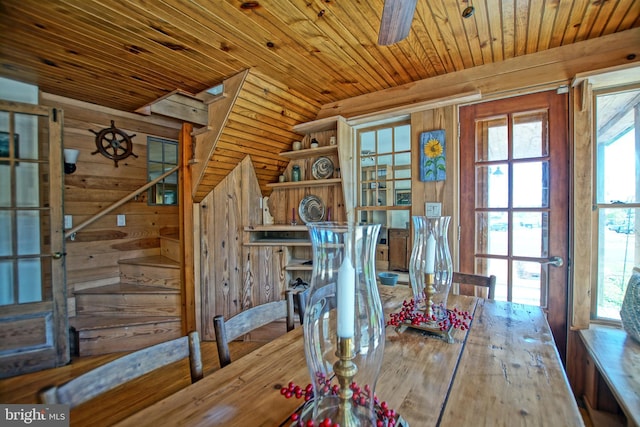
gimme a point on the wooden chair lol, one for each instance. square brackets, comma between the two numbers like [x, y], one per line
[476, 280]
[327, 292]
[301, 303]
[248, 320]
[127, 368]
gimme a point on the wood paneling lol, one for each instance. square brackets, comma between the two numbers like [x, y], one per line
[534, 72]
[228, 285]
[258, 121]
[27, 333]
[298, 57]
[127, 54]
[92, 258]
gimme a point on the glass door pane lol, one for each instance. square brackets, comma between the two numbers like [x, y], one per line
[511, 203]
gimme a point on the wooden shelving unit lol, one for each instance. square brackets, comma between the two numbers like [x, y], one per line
[285, 236]
[288, 247]
[306, 183]
[311, 152]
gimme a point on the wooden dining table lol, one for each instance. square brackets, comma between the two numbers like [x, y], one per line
[503, 371]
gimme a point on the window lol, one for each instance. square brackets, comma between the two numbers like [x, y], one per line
[617, 191]
[162, 156]
[385, 175]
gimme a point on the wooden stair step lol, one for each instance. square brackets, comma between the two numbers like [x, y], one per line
[170, 247]
[171, 236]
[152, 261]
[87, 323]
[111, 334]
[127, 300]
[126, 288]
[151, 271]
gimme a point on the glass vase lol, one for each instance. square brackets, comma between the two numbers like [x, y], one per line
[344, 323]
[430, 268]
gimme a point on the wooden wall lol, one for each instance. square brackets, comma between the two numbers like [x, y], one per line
[255, 117]
[231, 279]
[446, 191]
[92, 258]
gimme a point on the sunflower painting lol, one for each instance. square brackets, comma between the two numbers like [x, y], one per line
[432, 156]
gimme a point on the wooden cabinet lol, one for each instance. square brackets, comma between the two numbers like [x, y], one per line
[382, 257]
[399, 249]
[293, 245]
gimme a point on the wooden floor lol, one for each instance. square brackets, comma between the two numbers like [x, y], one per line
[127, 399]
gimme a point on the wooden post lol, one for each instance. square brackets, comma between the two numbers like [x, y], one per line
[186, 231]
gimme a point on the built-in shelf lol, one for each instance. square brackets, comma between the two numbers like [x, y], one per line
[276, 227]
[327, 123]
[279, 242]
[277, 235]
[310, 152]
[307, 183]
[298, 265]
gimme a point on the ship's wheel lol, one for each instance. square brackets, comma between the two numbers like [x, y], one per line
[114, 143]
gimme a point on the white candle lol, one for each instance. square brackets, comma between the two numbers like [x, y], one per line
[346, 298]
[431, 255]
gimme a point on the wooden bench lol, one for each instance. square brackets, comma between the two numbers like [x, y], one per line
[612, 382]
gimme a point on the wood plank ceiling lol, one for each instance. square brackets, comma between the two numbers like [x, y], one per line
[125, 54]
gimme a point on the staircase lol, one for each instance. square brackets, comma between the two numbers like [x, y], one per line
[142, 310]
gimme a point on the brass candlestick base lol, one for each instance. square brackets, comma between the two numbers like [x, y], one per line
[431, 328]
[345, 370]
[429, 292]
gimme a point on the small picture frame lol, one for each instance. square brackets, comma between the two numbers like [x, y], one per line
[403, 197]
[4, 145]
[433, 156]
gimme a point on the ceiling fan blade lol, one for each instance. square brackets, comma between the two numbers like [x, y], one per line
[397, 16]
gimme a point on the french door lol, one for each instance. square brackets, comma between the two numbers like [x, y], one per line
[33, 307]
[515, 200]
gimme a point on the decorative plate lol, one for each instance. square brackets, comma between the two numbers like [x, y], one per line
[311, 209]
[322, 168]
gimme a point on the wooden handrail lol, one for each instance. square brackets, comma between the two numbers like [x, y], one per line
[119, 203]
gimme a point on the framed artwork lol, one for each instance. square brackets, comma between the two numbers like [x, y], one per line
[433, 160]
[403, 197]
[4, 144]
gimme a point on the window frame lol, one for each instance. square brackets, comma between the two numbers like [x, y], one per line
[391, 204]
[164, 166]
[599, 206]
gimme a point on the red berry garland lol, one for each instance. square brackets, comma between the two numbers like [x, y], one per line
[408, 314]
[386, 417]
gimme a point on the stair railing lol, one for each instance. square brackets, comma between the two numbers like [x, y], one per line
[72, 232]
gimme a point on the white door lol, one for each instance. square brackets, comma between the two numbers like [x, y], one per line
[33, 306]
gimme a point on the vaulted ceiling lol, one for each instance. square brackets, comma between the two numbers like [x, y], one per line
[125, 54]
[302, 54]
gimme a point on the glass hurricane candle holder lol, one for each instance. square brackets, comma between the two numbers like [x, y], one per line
[344, 323]
[430, 268]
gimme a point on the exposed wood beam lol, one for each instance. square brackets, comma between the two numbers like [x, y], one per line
[180, 105]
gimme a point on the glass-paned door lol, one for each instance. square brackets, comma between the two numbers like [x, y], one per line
[514, 166]
[33, 315]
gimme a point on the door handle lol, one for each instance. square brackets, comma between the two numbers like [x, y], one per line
[58, 255]
[556, 261]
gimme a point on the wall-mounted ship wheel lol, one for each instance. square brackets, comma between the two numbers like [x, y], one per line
[114, 143]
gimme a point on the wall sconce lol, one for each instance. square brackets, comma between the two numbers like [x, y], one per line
[468, 11]
[70, 160]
